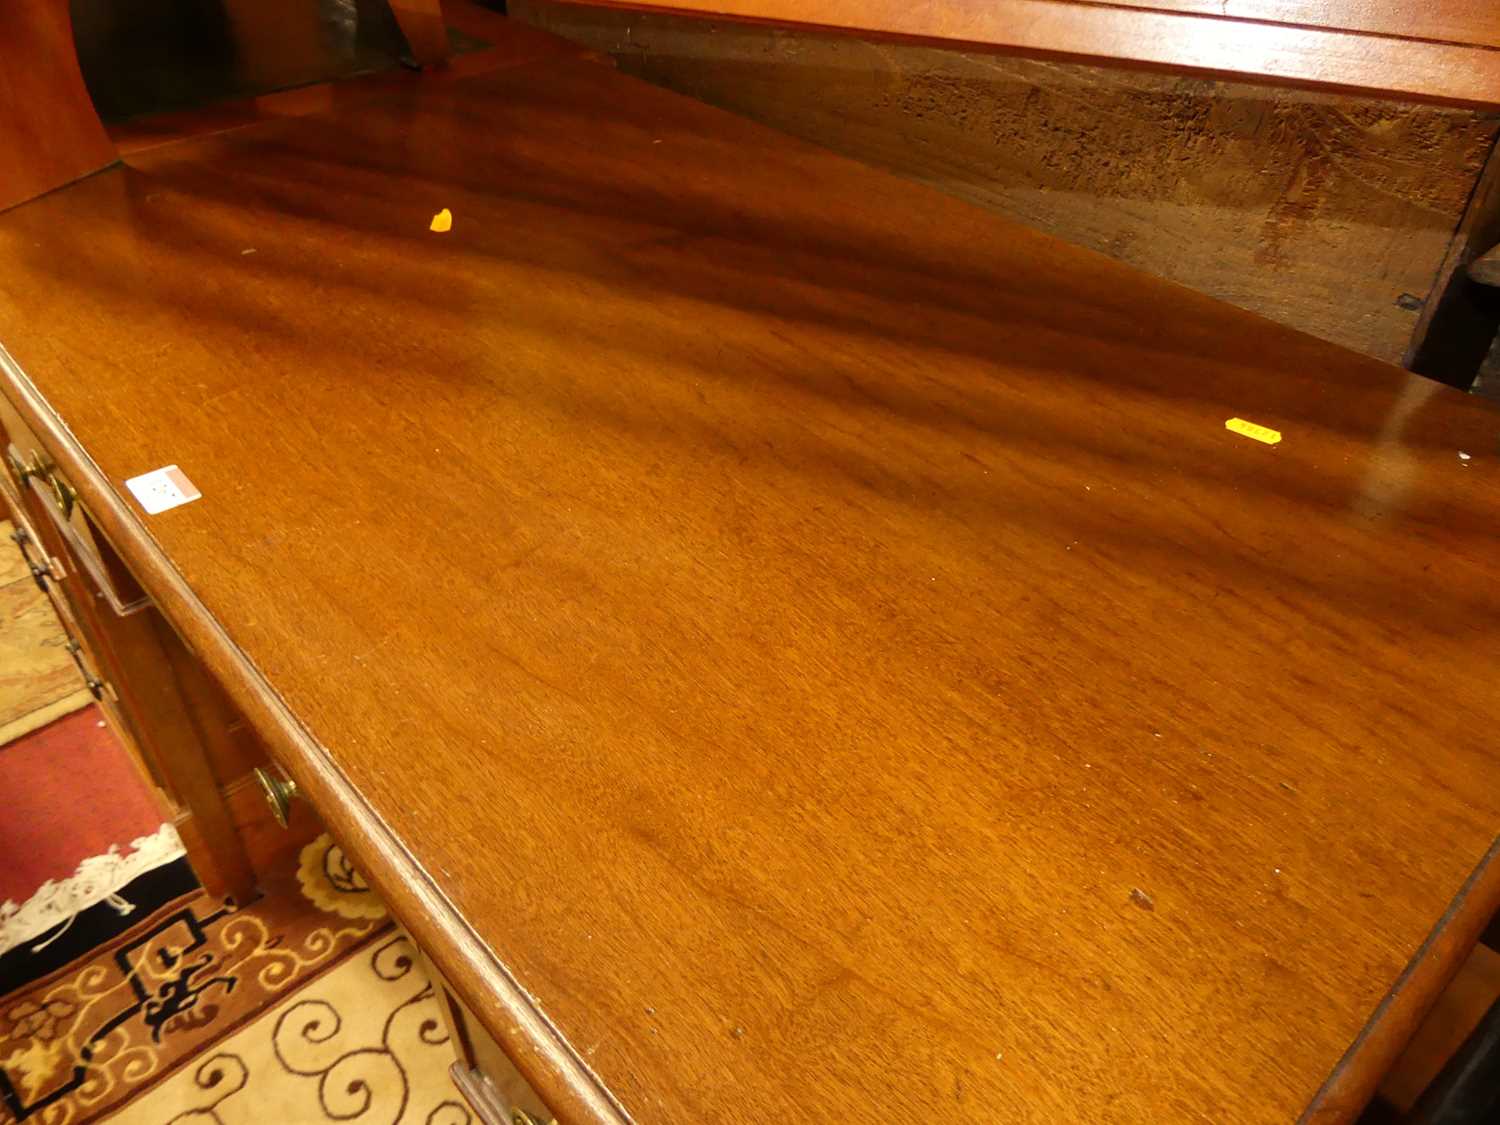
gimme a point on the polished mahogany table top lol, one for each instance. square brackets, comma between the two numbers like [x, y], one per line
[791, 645]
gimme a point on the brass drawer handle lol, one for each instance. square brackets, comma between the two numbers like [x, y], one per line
[39, 573]
[66, 494]
[83, 552]
[521, 1117]
[280, 792]
[24, 472]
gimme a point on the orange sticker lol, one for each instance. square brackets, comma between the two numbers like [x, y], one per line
[442, 222]
[1251, 430]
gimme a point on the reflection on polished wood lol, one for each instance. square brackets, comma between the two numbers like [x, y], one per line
[790, 645]
[1445, 52]
[157, 56]
[496, 44]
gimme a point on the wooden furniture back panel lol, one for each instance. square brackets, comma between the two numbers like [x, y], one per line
[1452, 56]
[1328, 213]
[814, 642]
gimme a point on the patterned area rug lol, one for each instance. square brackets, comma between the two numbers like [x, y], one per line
[365, 1043]
[94, 927]
[38, 680]
[80, 822]
[301, 1006]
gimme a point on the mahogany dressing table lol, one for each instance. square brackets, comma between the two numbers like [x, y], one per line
[787, 644]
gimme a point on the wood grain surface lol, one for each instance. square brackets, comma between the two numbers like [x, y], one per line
[1446, 53]
[1329, 213]
[788, 643]
[49, 132]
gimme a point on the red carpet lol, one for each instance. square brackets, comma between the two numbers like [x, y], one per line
[70, 792]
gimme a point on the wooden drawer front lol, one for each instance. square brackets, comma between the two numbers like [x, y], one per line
[483, 1072]
[29, 467]
[95, 679]
[184, 734]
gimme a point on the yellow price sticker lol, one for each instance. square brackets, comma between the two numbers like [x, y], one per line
[1251, 430]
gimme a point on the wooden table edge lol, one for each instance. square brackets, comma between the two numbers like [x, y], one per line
[539, 1050]
[1355, 1077]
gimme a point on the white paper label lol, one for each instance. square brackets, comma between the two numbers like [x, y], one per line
[162, 489]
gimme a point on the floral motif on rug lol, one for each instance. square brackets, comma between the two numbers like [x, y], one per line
[84, 1040]
[365, 1042]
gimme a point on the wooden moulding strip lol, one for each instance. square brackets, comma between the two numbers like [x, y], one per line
[1396, 1018]
[1417, 69]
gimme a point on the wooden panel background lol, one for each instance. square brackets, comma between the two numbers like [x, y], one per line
[1328, 44]
[1325, 212]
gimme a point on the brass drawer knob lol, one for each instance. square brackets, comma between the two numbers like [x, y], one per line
[280, 792]
[66, 494]
[21, 469]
